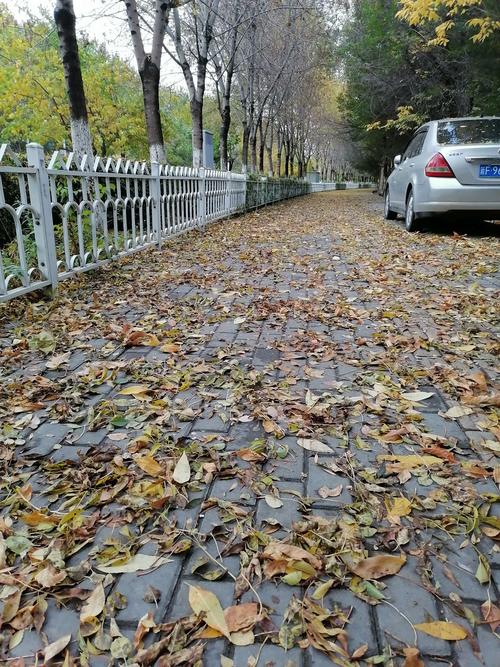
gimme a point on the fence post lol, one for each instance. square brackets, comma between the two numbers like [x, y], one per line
[156, 199]
[227, 202]
[203, 197]
[39, 190]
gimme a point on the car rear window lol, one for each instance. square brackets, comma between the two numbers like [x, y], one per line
[474, 131]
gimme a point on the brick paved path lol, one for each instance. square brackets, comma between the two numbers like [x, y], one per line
[306, 321]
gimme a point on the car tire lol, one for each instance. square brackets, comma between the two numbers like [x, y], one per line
[389, 214]
[411, 224]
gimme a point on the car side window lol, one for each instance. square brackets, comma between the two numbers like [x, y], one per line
[409, 149]
[415, 146]
[419, 144]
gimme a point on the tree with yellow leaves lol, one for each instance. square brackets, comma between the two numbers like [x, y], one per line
[482, 17]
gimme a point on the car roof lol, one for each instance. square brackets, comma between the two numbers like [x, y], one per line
[446, 120]
[454, 120]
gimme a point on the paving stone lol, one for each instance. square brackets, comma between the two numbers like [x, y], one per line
[85, 437]
[406, 593]
[275, 599]
[361, 626]
[243, 434]
[268, 655]
[488, 643]
[264, 356]
[179, 607]
[290, 511]
[232, 490]
[444, 427]
[59, 621]
[346, 371]
[432, 404]
[46, 436]
[67, 453]
[213, 423]
[135, 588]
[461, 564]
[319, 478]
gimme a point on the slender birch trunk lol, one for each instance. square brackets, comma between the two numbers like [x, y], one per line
[64, 17]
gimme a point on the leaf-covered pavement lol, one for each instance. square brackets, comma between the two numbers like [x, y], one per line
[279, 434]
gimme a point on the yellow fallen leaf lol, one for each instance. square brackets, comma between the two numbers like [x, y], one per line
[206, 603]
[138, 563]
[273, 502]
[149, 465]
[55, 648]
[151, 340]
[94, 605]
[243, 638]
[442, 630]
[172, 348]
[135, 390]
[313, 445]
[182, 470]
[415, 396]
[397, 507]
[409, 461]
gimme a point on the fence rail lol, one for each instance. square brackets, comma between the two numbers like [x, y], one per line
[348, 185]
[60, 218]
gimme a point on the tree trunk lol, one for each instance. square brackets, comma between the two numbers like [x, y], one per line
[244, 147]
[224, 134]
[287, 163]
[279, 155]
[150, 79]
[253, 151]
[64, 17]
[262, 146]
[197, 136]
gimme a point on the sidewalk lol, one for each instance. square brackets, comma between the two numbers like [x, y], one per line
[295, 413]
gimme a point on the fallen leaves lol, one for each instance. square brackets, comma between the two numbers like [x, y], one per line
[55, 648]
[182, 470]
[125, 471]
[138, 563]
[138, 391]
[207, 604]
[313, 445]
[325, 492]
[379, 566]
[149, 465]
[412, 657]
[417, 396]
[94, 605]
[491, 614]
[295, 563]
[442, 630]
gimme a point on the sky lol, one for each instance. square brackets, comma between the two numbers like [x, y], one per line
[103, 20]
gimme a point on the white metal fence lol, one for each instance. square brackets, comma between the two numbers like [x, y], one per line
[62, 218]
[348, 185]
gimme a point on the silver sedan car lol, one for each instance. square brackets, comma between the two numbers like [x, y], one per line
[450, 166]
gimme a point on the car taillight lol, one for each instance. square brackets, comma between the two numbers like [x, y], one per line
[438, 167]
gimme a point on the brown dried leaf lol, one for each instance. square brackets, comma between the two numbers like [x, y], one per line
[380, 566]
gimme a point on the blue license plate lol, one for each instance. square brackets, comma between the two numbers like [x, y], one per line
[489, 171]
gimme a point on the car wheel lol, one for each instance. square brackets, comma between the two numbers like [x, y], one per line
[410, 218]
[389, 214]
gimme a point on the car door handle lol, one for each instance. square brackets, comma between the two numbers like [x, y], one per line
[412, 164]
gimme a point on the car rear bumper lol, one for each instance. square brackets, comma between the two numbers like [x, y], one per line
[443, 195]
